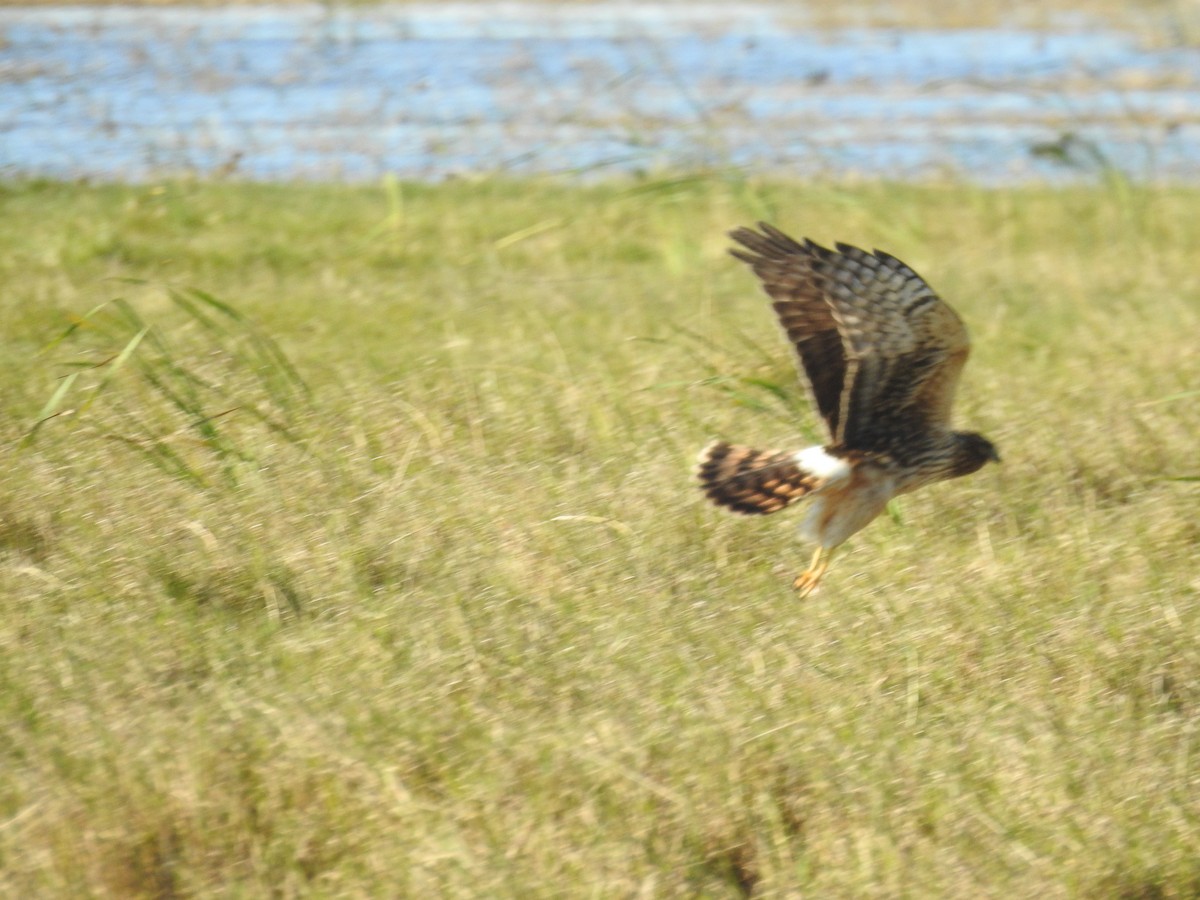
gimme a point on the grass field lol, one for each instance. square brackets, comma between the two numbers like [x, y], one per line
[435, 611]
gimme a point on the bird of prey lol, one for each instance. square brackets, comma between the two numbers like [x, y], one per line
[882, 355]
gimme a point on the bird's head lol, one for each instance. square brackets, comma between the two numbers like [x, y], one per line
[972, 453]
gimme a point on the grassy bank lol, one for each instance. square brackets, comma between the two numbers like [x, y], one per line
[435, 611]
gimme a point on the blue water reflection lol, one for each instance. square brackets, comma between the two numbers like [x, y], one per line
[431, 91]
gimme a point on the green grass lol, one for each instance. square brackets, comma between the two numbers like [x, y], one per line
[452, 621]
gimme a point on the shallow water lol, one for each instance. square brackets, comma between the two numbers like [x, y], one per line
[445, 89]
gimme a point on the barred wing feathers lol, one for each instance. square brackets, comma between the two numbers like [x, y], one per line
[784, 268]
[900, 349]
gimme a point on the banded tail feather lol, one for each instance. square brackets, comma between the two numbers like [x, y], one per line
[752, 482]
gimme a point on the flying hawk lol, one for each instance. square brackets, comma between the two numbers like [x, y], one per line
[882, 355]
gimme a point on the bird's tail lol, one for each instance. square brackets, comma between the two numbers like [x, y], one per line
[752, 482]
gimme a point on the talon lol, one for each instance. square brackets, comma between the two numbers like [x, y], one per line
[808, 581]
[805, 584]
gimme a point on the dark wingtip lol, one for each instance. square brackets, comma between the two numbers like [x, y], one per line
[747, 237]
[775, 234]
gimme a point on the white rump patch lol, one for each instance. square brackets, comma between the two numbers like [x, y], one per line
[817, 462]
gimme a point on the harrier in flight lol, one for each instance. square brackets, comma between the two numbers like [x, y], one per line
[882, 355]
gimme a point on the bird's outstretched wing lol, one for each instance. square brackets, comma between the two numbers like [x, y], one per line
[900, 348]
[785, 269]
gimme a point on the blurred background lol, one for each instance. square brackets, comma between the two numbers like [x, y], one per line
[436, 90]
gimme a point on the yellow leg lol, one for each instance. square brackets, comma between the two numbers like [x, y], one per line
[806, 582]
